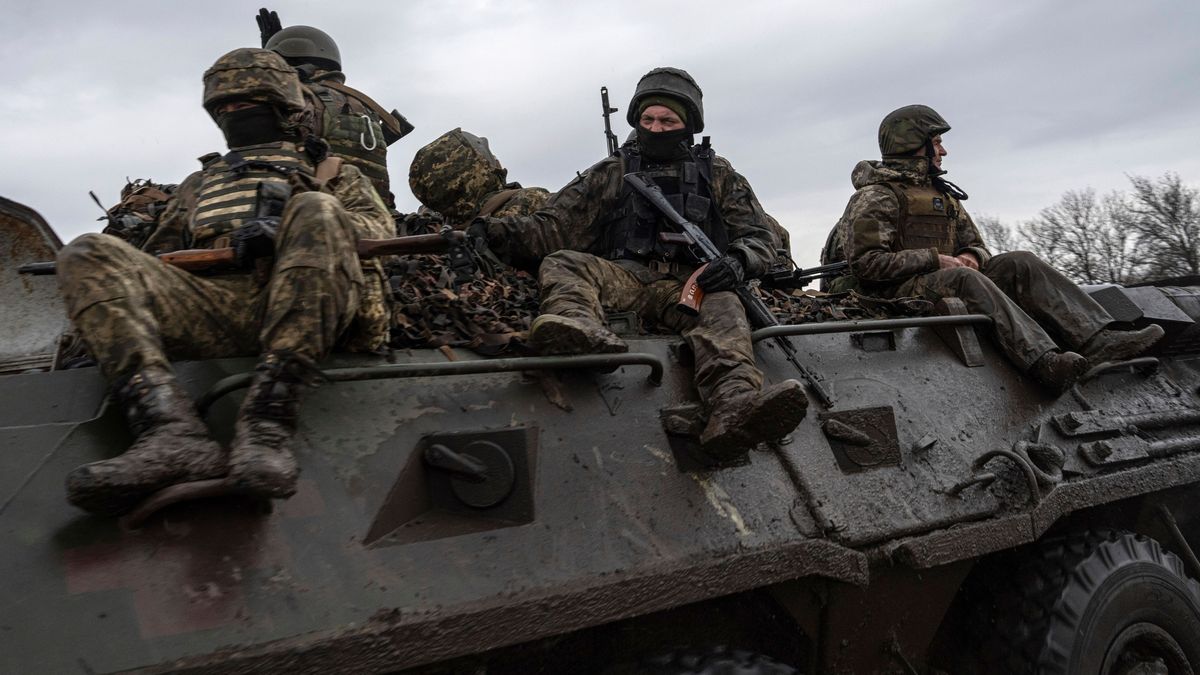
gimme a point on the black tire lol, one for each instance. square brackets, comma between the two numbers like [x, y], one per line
[713, 661]
[1113, 603]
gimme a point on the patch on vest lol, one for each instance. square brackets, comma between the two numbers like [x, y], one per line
[939, 204]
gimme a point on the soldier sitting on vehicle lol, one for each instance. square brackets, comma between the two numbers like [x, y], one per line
[602, 249]
[290, 304]
[905, 233]
[357, 128]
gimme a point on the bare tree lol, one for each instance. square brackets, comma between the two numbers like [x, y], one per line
[1084, 237]
[998, 237]
[1165, 215]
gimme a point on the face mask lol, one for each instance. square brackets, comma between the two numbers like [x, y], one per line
[663, 144]
[250, 126]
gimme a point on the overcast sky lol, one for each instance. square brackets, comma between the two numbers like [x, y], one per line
[1043, 96]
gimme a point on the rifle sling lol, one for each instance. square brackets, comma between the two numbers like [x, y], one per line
[390, 123]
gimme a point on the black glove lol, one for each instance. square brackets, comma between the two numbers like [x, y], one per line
[477, 234]
[268, 24]
[723, 274]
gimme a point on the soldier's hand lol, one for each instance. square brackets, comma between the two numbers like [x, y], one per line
[722, 274]
[968, 259]
[948, 262]
[268, 24]
[477, 234]
[304, 183]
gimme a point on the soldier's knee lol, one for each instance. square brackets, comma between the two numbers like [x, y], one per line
[90, 248]
[964, 277]
[564, 261]
[1023, 259]
[309, 206]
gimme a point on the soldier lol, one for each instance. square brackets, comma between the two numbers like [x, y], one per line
[458, 176]
[602, 249]
[356, 127]
[905, 233]
[135, 313]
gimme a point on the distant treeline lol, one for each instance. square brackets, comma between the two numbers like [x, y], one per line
[1150, 232]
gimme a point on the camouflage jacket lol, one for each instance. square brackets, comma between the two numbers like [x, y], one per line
[869, 227]
[356, 193]
[572, 217]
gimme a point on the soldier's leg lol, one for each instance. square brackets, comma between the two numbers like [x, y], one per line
[575, 288]
[741, 413]
[1053, 300]
[134, 312]
[310, 300]
[1058, 303]
[1021, 339]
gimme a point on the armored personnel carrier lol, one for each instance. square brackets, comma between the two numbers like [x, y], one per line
[516, 515]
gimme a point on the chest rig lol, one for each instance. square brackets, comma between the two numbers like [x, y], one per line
[928, 218]
[229, 189]
[631, 229]
[354, 132]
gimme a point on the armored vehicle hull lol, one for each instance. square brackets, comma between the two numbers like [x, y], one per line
[898, 530]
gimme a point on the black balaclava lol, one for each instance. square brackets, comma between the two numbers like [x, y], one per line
[252, 126]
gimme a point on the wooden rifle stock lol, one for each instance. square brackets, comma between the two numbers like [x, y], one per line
[410, 245]
[691, 295]
[198, 259]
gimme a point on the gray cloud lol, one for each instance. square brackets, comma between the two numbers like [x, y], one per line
[1044, 97]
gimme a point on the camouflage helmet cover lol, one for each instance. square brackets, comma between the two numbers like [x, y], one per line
[674, 83]
[307, 45]
[455, 173]
[253, 75]
[906, 130]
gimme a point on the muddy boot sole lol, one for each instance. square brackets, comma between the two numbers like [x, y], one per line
[115, 486]
[552, 335]
[1111, 345]
[767, 415]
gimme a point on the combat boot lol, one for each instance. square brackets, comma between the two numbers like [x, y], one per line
[1058, 371]
[260, 459]
[551, 334]
[744, 420]
[172, 446]
[1119, 345]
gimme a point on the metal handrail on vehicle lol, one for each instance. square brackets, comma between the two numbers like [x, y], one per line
[825, 327]
[479, 367]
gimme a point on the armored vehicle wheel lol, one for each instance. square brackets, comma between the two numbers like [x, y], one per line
[713, 661]
[1113, 603]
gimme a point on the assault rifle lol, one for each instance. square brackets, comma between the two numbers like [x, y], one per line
[757, 312]
[785, 279]
[213, 259]
[609, 136]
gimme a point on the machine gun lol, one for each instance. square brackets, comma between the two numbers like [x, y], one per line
[786, 279]
[757, 312]
[609, 136]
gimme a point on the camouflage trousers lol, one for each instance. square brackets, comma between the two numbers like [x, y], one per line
[134, 312]
[1027, 299]
[581, 285]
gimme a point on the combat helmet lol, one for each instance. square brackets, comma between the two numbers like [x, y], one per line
[453, 174]
[305, 44]
[254, 75]
[672, 82]
[908, 129]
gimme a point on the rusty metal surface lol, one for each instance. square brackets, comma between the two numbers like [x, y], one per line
[31, 313]
[619, 530]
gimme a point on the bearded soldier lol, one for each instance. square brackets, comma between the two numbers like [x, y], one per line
[290, 308]
[905, 233]
[604, 251]
[357, 128]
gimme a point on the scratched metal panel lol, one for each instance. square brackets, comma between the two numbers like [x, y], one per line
[613, 512]
[32, 315]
